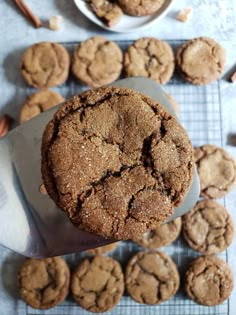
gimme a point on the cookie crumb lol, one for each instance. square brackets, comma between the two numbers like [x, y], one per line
[56, 22]
[233, 77]
[42, 189]
[185, 14]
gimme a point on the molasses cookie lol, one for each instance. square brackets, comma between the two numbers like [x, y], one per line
[140, 7]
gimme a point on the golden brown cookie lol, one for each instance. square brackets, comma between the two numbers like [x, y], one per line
[45, 65]
[161, 236]
[134, 162]
[38, 103]
[97, 61]
[208, 227]
[140, 7]
[216, 170]
[151, 58]
[108, 11]
[209, 280]
[44, 283]
[97, 284]
[151, 277]
[103, 249]
[201, 60]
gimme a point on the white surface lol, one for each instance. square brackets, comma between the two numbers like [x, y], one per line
[210, 18]
[127, 24]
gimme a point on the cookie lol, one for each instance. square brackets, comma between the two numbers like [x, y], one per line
[151, 277]
[134, 162]
[174, 104]
[44, 283]
[216, 170]
[151, 58]
[201, 60]
[38, 103]
[103, 249]
[108, 11]
[208, 227]
[97, 285]
[97, 61]
[45, 65]
[209, 280]
[139, 7]
[161, 236]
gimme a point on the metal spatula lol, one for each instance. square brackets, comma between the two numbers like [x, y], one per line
[30, 223]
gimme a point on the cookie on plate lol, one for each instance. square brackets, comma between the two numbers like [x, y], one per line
[208, 227]
[102, 249]
[134, 162]
[97, 61]
[140, 7]
[161, 236]
[201, 60]
[97, 284]
[45, 65]
[38, 103]
[151, 277]
[108, 11]
[44, 283]
[216, 170]
[209, 280]
[151, 58]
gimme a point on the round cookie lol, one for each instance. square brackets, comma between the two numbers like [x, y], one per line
[134, 162]
[140, 7]
[151, 277]
[38, 103]
[216, 170]
[201, 60]
[45, 65]
[103, 249]
[97, 61]
[161, 236]
[209, 280]
[97, 285]
[44, 283]
[208, 227]
[151, 58]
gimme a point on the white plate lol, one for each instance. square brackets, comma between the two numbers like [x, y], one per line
[127, 23]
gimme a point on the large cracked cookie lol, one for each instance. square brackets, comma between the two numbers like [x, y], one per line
[140, 7]
[209, 280]
[151, 58]
[45, 65]
[151, 277]
[44, 283]
[201, 60]
[98, 284]
[208, 227]
[116, 162]
[97, 61]
[216, 170]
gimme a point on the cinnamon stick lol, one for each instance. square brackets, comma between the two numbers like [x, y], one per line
[28, 13]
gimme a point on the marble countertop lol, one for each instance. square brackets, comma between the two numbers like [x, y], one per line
[212, 18]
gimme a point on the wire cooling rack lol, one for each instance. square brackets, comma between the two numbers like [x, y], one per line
[200, 114]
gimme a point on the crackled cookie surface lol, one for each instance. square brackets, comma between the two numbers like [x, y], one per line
[140, 7]
[216, 170]
[98, 284]
[209, 280]
[116, 162]
[44, 283]
[149, 57]
[201, 60]
[97, 61]
[151, 277]
[208, 227]
[45, 65]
